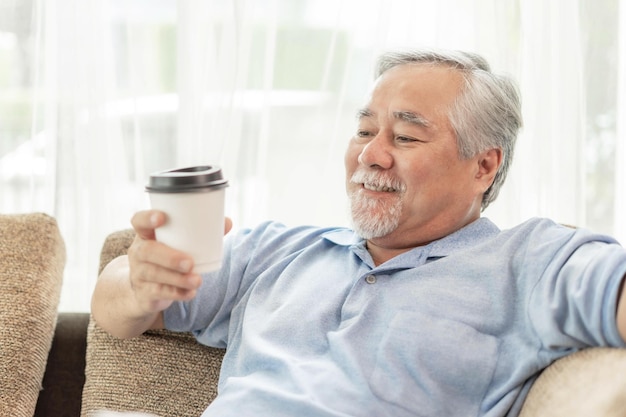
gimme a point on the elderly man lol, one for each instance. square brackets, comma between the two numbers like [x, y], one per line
[423, 307]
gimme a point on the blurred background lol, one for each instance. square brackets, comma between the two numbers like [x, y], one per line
[97, 94]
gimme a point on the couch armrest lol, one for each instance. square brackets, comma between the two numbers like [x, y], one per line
[591, 382]
[32, 258]
[164, 373]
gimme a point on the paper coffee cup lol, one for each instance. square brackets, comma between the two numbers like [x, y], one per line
[193, 200]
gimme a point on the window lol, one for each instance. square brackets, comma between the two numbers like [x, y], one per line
[94, 96]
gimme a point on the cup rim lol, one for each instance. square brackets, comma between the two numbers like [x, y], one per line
[196, 178]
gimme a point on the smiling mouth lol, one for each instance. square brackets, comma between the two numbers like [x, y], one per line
[377, 182]
[379, 188]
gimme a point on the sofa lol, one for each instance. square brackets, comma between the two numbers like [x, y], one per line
[62, 364]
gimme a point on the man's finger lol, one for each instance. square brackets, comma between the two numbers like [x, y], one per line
[144, 223]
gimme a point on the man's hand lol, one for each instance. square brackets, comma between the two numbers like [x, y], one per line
[159, 275]
[134, 289]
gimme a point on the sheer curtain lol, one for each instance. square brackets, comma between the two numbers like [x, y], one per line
[96, 94]
[548, 175]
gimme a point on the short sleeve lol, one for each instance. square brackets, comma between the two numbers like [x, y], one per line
[574, 303]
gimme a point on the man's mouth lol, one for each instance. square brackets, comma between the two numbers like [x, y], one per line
[379, 188]
[377, 182]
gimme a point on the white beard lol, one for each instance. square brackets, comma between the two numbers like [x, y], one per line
[372, 218]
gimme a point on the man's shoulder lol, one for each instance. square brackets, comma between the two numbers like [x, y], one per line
[538, 227]
[545, 229]
[544, 237]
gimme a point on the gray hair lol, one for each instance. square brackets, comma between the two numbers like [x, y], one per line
[487, 114]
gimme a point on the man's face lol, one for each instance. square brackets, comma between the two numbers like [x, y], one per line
[406, 183]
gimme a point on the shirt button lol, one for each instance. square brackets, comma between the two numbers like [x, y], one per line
[370, 279]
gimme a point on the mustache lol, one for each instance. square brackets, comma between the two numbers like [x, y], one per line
[378, 180]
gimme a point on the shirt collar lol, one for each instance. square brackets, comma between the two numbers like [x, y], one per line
[468, 236]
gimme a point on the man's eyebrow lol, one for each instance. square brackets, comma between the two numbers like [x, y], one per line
[413, 118]
[365, 112]
[406, 116]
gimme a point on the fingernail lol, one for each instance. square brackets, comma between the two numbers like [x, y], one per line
[154, 219]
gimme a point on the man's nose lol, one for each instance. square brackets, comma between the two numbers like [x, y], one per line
[377, 152]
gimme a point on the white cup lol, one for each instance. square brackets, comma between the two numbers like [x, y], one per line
[193, 201]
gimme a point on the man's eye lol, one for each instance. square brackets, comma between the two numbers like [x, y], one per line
[363, 133]
[405, 139]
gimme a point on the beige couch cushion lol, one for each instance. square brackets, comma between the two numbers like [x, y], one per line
[591, 382]
[161, 372]
[32, 258]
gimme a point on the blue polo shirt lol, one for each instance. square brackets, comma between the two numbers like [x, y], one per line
[459, 327]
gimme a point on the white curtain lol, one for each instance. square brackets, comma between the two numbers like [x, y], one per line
[96, 94]
[548, 176]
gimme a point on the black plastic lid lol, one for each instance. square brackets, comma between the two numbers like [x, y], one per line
[185, 180]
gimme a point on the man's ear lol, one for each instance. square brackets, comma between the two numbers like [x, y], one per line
[488, 164]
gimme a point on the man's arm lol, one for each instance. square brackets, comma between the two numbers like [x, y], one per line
[132, 291]
[621, 310]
